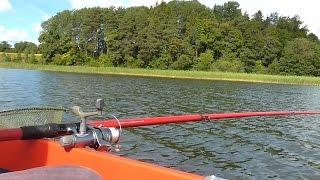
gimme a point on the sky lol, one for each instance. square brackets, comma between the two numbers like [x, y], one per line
[20, 20]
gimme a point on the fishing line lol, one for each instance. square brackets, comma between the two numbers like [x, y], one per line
[117, 146]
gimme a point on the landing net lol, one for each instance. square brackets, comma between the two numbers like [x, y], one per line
[15, 118]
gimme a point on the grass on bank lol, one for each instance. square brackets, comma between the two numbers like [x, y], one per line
[204, 75]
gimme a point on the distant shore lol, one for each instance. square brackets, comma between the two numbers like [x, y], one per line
[200, 75]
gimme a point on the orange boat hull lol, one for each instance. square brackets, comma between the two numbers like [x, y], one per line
[21, 155]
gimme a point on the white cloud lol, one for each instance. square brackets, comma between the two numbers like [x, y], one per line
[5, 5]
[36, 27]
[13, 35]
[46, 17]
[211, 3]
[78, 4]
[147, 3]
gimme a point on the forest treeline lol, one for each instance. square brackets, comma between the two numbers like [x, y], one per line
[182, 35]
[19, 47]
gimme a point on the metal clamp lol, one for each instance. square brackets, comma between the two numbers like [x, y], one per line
[77, 110]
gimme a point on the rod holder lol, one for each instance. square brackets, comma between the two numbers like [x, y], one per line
[83, 115]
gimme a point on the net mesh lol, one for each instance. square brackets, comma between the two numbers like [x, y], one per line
[30, 116]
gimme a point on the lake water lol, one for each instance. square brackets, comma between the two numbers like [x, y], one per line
[248, 148]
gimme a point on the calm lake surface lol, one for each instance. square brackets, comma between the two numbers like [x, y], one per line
[250, 148]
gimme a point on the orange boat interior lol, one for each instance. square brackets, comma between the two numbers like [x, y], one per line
[21, 155]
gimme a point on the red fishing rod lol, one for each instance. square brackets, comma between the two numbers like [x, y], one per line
[136, 122]
[55, 130]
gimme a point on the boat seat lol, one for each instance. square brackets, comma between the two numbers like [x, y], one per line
[52, 173]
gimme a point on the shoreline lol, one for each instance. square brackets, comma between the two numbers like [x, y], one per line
[172, 74]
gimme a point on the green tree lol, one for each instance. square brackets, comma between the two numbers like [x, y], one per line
[55, 38]
[105, 60]
[228, 63]
[313, 37]
[228, 11]
[300, 57]
[184, 62]
[231, 40]
[205, 61]
[259, 68]
[208, 35]
[163, 62]
[25, 47]
[274, 67]
[133, 63]
[290, 28]
[5, 46]
[32, 59]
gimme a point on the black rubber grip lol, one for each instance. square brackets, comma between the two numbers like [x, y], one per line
[46, 131]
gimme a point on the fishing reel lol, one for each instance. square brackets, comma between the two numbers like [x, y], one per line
[99, 138]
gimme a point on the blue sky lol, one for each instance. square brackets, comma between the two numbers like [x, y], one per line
[20, 19]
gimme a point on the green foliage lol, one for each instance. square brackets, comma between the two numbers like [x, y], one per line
[5, 58]
[163, 62]
[18, 58]
[25, 47]
[208, 35]
[64, 59]
[32, 59]
[133, 63]
[300, 57]
[25, 57]
[41, 60]
[105, 60]
[57, 59]
[274, 67]
[5, 46]
[205, 61]
[313, 37]
[184, 62]
[228, 64]
[228, 11]
[270, 50]
[231, 39]
[259, 68]
[93, 62]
